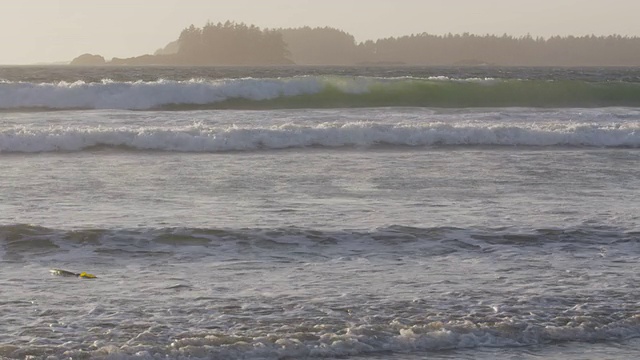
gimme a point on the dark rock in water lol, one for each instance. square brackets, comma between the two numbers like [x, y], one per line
[61, 272]
[88, 60]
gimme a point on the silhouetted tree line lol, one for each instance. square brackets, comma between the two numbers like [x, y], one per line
[226, 43]
[233, 43]
[469, 49]
[321, 46]
[327, 46]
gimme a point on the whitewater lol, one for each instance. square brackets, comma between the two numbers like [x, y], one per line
[330, 212]
[249, 130]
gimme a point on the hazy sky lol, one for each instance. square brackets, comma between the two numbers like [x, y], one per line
[33, 31]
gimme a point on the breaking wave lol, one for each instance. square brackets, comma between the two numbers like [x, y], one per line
[314, 92]
[205, 138]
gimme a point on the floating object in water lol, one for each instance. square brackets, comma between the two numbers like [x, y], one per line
[61, 272]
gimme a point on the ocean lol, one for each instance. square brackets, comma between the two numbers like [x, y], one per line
[319, 213]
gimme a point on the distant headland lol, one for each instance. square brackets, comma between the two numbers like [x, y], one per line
[236, 44]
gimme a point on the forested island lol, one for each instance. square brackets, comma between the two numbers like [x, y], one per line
[233, 43]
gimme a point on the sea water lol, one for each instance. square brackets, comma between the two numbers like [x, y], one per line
[359, 213]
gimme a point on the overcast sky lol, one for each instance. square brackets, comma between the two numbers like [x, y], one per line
[37, 31]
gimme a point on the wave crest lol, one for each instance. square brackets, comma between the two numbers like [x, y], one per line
[23, 237]
[203, 138]
[315, 92]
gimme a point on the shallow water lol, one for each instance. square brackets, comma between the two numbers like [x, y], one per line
[364, 233]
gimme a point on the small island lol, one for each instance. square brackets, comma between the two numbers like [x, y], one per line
[88, 60]
[238, 44]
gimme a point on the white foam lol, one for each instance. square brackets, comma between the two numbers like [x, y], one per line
[473, 79]
[205, 138]
[355, 341]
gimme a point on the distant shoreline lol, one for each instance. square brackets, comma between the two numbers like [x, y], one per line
[238, 44]
[68, 65]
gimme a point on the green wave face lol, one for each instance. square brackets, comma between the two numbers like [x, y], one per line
[317, 92]
[339, 93]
